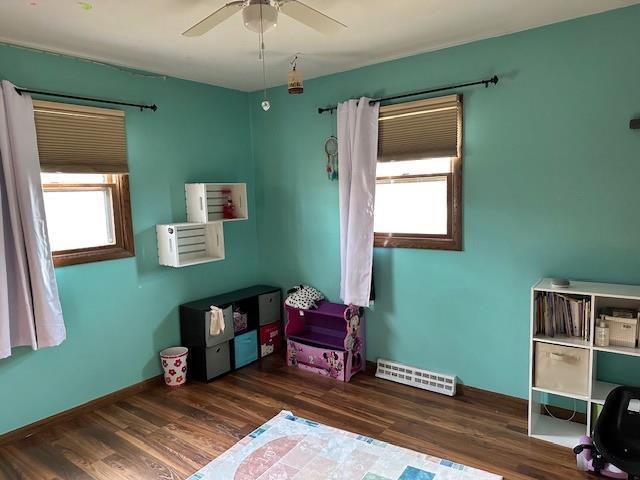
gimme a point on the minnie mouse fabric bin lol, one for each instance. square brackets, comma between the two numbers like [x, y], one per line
[327, 340]
[326, 362]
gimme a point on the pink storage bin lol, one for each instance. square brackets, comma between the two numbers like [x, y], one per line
[330, 363]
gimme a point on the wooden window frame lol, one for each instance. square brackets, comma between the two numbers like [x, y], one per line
[122, 225]
[453, 239]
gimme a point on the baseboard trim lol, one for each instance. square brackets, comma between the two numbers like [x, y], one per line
[113, 397]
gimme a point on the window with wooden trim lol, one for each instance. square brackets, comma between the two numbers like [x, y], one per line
[419, 175]
[85, 182]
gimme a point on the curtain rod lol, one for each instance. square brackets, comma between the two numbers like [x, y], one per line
[88, 99]
[492, 80]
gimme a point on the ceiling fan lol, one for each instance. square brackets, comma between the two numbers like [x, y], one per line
[262, 15]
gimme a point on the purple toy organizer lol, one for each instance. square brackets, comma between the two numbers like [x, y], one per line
[328, 340]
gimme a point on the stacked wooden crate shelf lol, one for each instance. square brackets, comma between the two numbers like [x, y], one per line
[201, 238]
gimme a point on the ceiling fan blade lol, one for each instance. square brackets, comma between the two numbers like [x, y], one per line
[217, 17]
[311, 17]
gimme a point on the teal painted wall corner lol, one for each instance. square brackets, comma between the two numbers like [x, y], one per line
[550, 180]
[550, 187]
[120, 313]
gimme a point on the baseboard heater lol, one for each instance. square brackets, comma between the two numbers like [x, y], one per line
[416, 377]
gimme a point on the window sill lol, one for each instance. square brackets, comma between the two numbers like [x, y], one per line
[425, 243]
[89, 255]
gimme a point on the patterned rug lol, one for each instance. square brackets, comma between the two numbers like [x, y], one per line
[292, 448]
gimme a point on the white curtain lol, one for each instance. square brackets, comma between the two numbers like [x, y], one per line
[357, 154]
[30, 312]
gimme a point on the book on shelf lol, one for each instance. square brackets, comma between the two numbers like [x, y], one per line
[558, 315]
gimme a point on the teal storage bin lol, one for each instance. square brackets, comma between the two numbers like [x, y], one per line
[246, 348]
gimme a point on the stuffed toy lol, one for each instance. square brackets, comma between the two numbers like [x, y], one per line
[303, 297]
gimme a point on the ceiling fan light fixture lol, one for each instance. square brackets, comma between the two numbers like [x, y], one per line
[260, 17]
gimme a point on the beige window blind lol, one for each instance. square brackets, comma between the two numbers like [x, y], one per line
[423, 129]
[80, 139]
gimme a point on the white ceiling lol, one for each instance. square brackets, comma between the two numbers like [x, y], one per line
[146, 34]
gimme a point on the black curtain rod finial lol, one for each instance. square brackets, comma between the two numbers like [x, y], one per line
[493, 80]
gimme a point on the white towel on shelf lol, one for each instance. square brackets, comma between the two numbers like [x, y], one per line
[217, 321]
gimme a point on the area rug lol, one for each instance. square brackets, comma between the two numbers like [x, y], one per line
[292, 448]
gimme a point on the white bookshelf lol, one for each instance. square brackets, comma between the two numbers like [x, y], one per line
[602, 295]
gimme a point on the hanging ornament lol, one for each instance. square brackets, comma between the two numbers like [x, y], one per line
[295, 79]
[331, 149]
[266, 104]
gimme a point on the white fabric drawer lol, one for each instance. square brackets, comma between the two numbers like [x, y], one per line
[563, 369]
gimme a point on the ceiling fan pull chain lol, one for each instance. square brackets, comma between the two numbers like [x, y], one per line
[266, 105]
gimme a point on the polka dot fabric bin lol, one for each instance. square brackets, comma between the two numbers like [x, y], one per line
[174, 364]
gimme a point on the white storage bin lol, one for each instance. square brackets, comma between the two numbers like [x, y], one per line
[561, 369]
[623, 332]
[184, 244]
[205, 201]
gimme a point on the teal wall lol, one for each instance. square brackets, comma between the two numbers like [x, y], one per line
[551, 181]
[120, 313]
[551, 174]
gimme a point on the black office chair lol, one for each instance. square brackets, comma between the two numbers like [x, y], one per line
[616, 435]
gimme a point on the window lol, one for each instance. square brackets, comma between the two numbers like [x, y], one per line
[418, 176]
[86, 188]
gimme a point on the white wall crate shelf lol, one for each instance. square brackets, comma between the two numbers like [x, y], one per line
[184, 244]
[205, 201]
[602, 296]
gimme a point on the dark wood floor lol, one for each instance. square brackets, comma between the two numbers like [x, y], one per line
[170, 433]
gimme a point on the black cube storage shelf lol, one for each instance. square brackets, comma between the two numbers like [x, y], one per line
[212, 356]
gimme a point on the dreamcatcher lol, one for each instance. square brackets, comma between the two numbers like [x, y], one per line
[331, 150]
